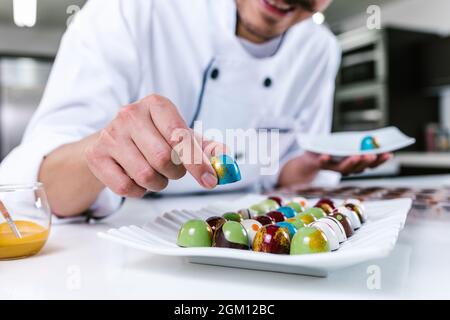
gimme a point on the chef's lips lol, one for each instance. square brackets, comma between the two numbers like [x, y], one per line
[308, 5]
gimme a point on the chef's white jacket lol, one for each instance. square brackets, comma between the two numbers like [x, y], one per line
[118, 51]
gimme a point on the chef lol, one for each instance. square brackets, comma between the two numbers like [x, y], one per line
[129, 74]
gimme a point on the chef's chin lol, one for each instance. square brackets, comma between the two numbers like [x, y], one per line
[261, 21]
[260, 27]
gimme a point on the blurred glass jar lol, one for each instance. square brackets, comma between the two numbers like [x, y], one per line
[443, 140]
[24, 207]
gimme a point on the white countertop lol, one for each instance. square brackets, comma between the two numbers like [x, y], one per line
[77, 264]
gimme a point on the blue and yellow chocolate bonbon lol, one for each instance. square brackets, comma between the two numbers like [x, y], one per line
[226, 168]
[369, 143]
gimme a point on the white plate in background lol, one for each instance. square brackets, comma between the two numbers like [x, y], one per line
[344, 144]
[376, 239]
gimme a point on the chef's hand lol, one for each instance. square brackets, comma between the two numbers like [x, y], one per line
[303, 169]
[148, 144]
[350, 165]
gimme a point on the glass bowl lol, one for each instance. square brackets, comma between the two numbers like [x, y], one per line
[25, 220]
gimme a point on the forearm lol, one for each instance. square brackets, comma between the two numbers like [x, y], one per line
[71, 187]
[304, 169]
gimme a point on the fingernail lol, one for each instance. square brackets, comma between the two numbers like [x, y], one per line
[209, 180]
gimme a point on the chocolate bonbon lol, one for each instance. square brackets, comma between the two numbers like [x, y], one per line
[369, 143]
[195, 233]
[246, 213]
[297, 223]
[277, 216]
[332, 237]
[289, 227]
[309, 240]
[302, 201]
[232, 216]
[358, 209]
[272, 239]
[226, 169]
[252, 227]
[270, 204]
[306, 218]
[317, 213]
[345, 222]
[287, 211]
[278, 200]
[353, 216]
[337, 228]
[296, 206]
[265, 220]
[326, 205]
[232, 235]
[215, 223]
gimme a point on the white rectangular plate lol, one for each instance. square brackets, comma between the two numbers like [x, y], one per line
[374, 240]
[344, 144]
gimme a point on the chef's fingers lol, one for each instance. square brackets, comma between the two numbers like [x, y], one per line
[356, 164]
[190, 153]
[112, 176]
[212, 148]
[154, 148]
[128, 156]
[325, 160]
[177, 134]
[348, 166]
[365, 162]
[345, 167]
[382, 158]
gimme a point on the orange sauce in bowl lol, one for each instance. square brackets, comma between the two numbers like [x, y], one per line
[33, 239]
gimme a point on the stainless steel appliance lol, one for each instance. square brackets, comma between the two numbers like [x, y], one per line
[436, 75]
[22, 83]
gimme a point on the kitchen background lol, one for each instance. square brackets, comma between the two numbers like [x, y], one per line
[397, 75]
